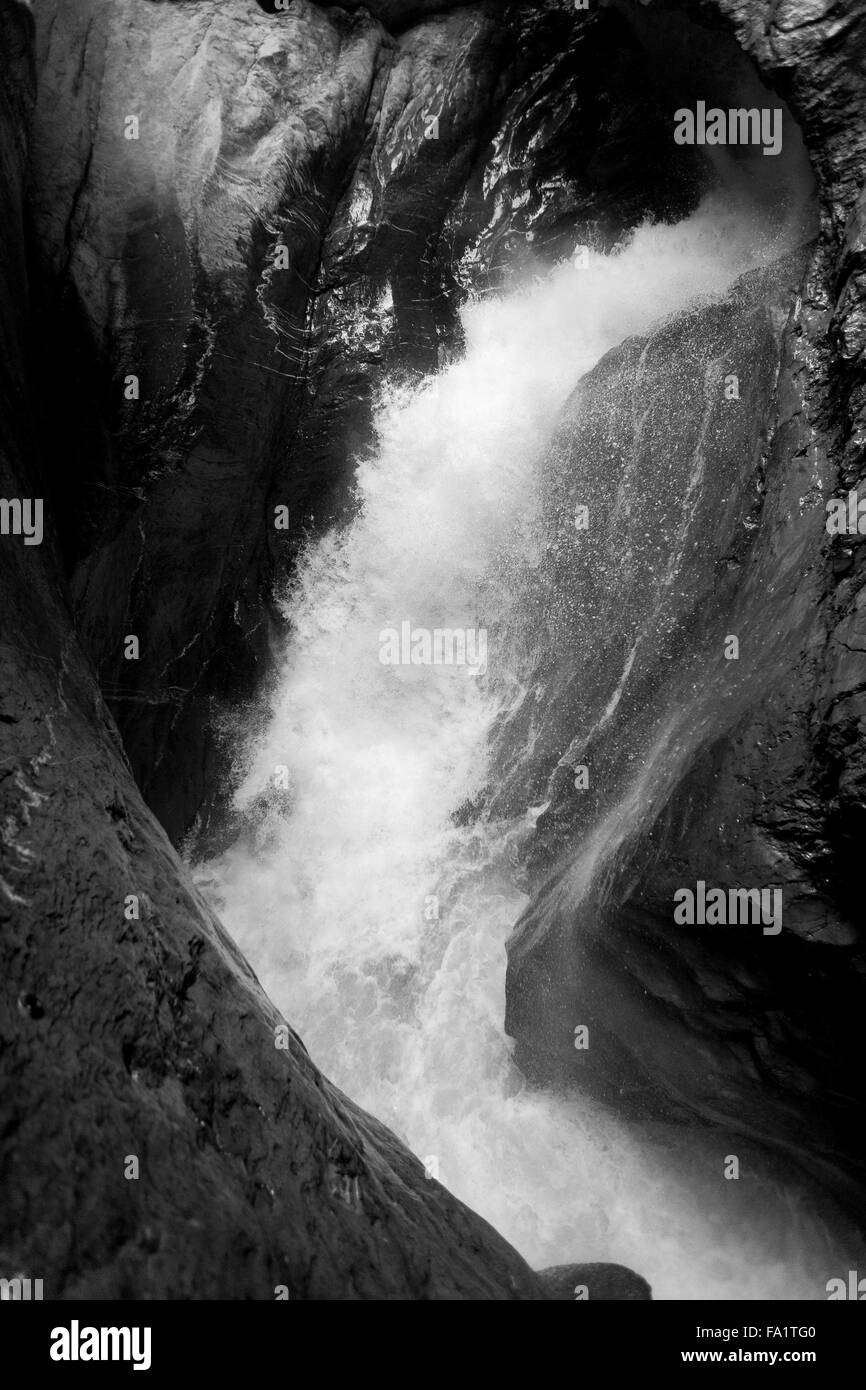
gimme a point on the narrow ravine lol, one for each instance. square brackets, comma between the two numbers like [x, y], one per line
[374, 908]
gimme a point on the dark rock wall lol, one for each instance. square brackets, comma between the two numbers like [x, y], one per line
[136, 1031]
[738, 773]
[159, 255]
[699, 771]
[587, 1282]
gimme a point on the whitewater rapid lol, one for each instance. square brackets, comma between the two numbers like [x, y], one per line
[375, 919]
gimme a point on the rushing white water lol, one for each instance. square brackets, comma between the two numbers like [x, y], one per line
[330, 891]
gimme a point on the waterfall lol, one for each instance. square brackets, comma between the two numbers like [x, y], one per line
[371, 901]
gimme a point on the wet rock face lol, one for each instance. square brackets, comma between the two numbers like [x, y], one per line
[160, 261]
[394, 14]
[737, 774]
[588, 1283]
[652, 491]
[165, 1133]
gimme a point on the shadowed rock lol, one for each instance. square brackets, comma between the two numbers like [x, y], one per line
[594, 1282]
[157, 1142]
[738, 773]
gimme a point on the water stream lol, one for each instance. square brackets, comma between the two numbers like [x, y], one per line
[375, 920]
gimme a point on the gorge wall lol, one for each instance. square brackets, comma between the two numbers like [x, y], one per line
[154, 257]
[136, 1031]
[734, 773]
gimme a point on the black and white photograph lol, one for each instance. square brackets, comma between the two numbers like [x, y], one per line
[432, 665]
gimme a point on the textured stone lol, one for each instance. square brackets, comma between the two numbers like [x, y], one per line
[136, 1031]
[158, 260]
[740, 775]
[610, 1282]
